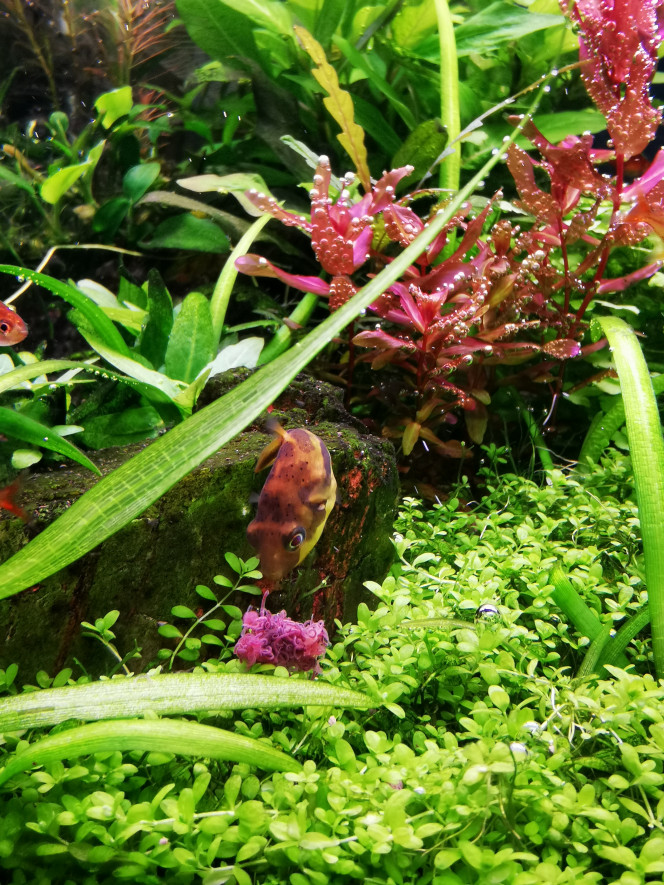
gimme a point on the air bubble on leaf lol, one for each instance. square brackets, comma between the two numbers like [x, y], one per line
[519, 749]
[531, 726]
[487, 611]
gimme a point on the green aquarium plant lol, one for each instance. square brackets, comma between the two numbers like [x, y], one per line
[126, 492]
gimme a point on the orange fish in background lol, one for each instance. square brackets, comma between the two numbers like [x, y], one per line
[12, 327]
[7, 501]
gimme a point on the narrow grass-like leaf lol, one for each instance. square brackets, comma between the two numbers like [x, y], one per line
[646, 448]
[95, 316]
[612, 653]
[339, 105]
[34, 370]
[127, 491]
[169, 694]
[30, 431]
[226, 281]
[604, 426]
[163, 736]
[450, 169]
[282, 337]
[590, 663]
[149, 378]
[573, 607]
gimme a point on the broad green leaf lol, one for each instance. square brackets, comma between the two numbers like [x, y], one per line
[122, 428]
[219, 30]
[329, 15]
[268, 14]
[113, 105]
[110, 215]
[96, 317]
[188, 232]
[125, 493]
[244, 353]
[191, 343]
[97, 293]
[24, 458]
[164, 735]
[498, 24]
[154, 340]
[234, 182]
[372, 119]
[138, 179]
[339, 105]
[130, 293]
[421, 149]
[414, 22]
[57, 184]
[21, 427]
[168, 694]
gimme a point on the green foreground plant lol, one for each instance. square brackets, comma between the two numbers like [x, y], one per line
[489, 759]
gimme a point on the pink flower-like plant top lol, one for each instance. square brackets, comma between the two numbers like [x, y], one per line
[618, 47]
[278, 640]
[341, 231]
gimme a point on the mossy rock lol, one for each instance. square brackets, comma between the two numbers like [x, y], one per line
[156, 561]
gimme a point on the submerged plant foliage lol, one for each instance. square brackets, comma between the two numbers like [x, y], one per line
[489, 292]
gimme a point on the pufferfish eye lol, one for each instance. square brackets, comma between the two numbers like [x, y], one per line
[295, 539]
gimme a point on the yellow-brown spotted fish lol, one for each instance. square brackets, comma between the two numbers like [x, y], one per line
[296, 500]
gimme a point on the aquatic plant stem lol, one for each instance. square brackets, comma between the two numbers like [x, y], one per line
[224, 285]
[450, 169]
[281, 340]
[646, 448]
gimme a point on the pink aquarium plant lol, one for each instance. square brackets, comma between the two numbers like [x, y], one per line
[278, 640]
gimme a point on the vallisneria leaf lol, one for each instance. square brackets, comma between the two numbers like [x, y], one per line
[162, 735]
[646, 448]
[168, 694]
[339, 105]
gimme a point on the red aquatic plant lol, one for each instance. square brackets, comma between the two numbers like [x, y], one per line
[618, 42]
[487, 292]
[278, 640]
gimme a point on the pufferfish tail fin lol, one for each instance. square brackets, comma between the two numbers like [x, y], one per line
[269, 454]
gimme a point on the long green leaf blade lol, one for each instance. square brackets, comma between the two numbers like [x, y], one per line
[168, 694]
[646, 448]
[165, 736]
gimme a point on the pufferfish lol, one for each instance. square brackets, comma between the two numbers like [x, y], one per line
[297, 498]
